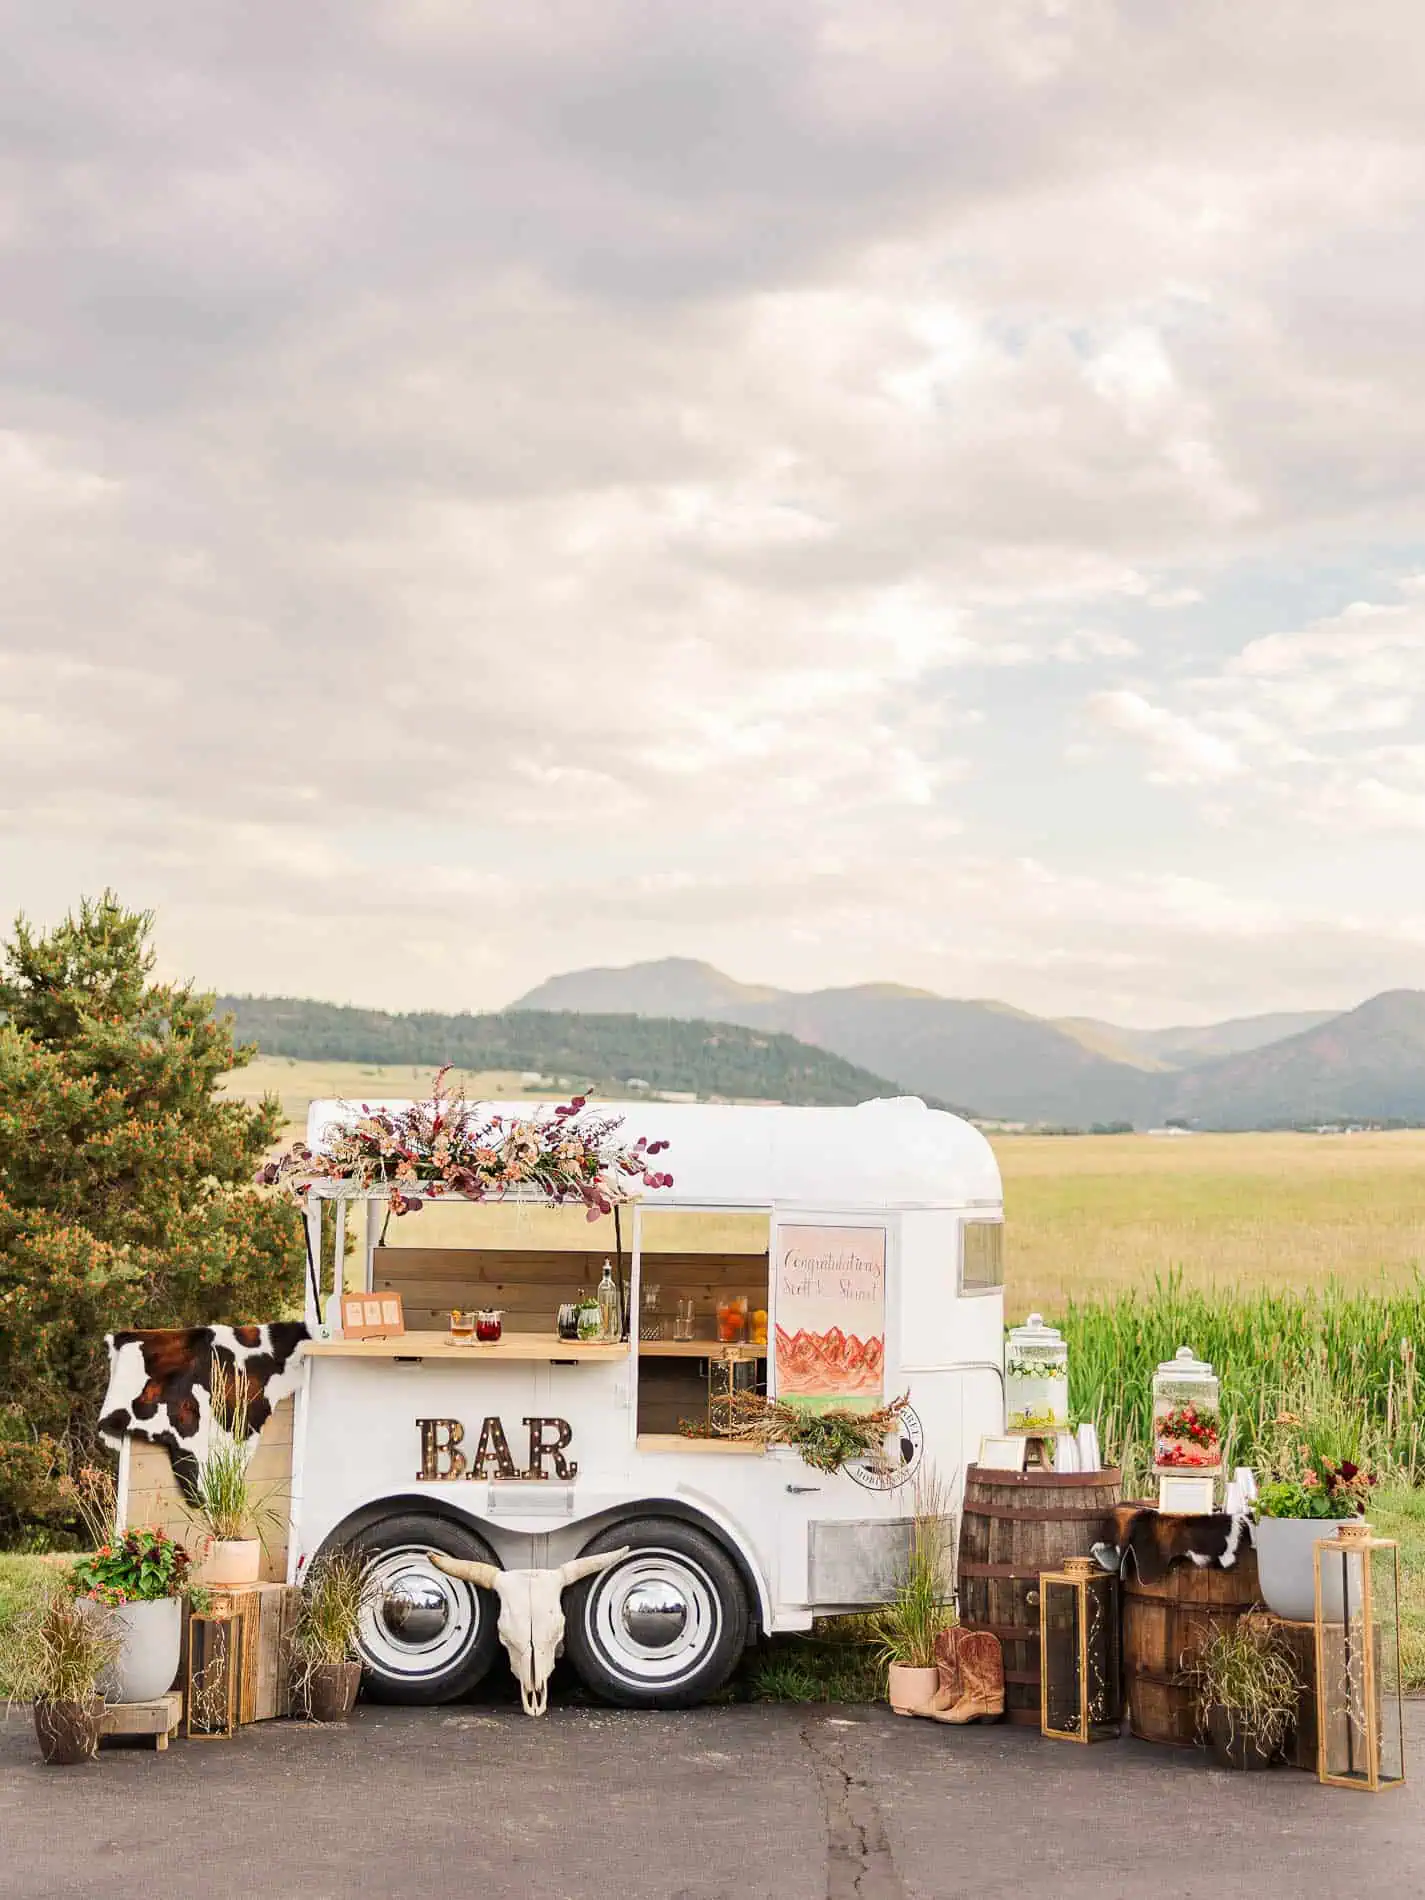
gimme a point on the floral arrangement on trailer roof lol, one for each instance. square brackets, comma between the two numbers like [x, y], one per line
[451, 1146]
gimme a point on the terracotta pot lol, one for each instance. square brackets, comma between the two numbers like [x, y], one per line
[1231, 1746]
[908, 1689]
[148, 1662]
[231, 1561]
[1286, 1567]
[68, 1732]
[331, 1691]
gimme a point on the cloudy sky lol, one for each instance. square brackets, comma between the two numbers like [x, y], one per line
[852, 490]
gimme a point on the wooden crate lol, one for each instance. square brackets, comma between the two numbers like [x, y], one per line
[158, 1718]
[266, 1612]
[1299, 1641]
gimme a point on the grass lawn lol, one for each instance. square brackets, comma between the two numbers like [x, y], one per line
[20, 1579]
[1401, 1514]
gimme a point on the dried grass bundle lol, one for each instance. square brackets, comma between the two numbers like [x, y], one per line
[826, 1440]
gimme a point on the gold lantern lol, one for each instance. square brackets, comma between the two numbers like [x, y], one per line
[1360, 1724]
[214, 1674]
[1080, 1657]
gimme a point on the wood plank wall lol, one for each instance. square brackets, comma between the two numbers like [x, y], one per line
[154, 1497]
[529, 1286]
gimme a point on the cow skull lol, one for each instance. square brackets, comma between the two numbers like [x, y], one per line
[531, 1613]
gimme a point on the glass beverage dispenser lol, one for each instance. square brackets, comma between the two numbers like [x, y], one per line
[1187, 1417]
[1036, 1380]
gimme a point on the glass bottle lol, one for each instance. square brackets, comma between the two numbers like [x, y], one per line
[610, 1313]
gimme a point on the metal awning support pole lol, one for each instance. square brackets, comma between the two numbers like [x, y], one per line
[312, 1214]
[339, 1265]
[373, 1241]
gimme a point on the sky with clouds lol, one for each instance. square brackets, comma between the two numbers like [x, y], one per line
[850, 489]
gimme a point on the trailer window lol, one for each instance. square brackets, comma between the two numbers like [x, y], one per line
[713, 1268]
[981, 1256]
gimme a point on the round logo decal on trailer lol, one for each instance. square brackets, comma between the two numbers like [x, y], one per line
[898, 1463]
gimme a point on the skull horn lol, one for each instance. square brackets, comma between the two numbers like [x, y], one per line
[579, 1567]
[482, 1575]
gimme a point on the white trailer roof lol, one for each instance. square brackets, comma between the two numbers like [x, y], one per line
[879, 1155]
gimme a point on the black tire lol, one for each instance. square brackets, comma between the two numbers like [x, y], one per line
[396, 1668]
[673, 1671]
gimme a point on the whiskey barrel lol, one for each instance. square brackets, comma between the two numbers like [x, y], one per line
[1165, 1624]
[1014, 1525]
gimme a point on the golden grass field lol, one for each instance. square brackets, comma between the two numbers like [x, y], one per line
[295, 1084]
[1104, 1213]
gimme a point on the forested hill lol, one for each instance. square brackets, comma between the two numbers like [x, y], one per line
[598, 1052]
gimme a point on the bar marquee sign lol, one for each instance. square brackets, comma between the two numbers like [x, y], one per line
[443, 1462]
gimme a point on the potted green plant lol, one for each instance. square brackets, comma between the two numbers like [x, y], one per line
[1314, 1484]
[135, 1581]
[920, 1608]
[231, 1509]
[1248, 1691]
[54, 1654]
[138, 1580]
[325, 1661]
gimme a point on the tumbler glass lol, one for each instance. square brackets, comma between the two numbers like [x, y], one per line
[683, 1320]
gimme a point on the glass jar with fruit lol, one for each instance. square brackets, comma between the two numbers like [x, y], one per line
[1187, 1415]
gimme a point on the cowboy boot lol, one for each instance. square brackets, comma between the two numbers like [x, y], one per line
[947, 1662]
[981, 1678]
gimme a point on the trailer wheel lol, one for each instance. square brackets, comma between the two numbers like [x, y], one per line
[664, 1628]
[424, 1637]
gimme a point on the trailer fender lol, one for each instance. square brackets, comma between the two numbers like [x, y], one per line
[694, 1509]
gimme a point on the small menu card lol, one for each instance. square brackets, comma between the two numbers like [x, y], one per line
[372, 1315]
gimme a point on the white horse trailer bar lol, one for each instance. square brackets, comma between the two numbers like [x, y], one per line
[533, 1453]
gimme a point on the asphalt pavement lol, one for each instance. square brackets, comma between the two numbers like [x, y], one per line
[714, 1804]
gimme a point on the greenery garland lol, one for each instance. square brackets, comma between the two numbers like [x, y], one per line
[825, 1440]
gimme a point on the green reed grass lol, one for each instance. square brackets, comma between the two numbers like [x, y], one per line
[1343, 1357]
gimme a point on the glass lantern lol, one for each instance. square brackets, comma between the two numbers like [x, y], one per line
[1360, 1731]
[1036, 1380]
[1081, 1666]
[1187, 1417]
[214, 1675]
[729, 1372]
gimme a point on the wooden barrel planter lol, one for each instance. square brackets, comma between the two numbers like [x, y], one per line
[1165, 1624]
[1014, 1525]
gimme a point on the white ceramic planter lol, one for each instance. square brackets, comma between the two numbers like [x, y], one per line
[148, 1661]
[910, 1689]
[231, 1561]
[1286, 1567]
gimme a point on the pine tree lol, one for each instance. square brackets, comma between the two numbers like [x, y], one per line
[125, 1182]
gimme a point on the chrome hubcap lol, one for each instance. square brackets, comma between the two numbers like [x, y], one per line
[418, 1622]
[414, 1611]
[654, 1612]
[654, 1618]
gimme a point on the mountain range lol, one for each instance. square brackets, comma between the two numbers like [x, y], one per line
[611, 1055]
[1279, 1069]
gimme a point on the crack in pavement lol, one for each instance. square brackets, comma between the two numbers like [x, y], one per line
[859, 1864]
